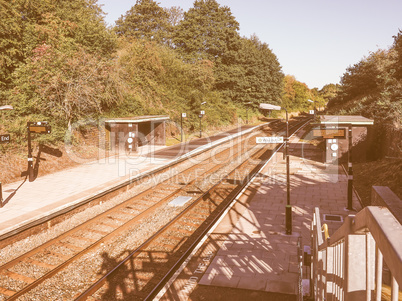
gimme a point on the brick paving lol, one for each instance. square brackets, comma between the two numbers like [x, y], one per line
[24, 201]
[257, 254]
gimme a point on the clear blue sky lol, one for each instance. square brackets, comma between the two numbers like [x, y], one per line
[314, 40]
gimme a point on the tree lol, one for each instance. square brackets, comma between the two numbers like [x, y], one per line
[10, 41]
[296, 94]
[208, 31]
[145, 20]
[397, 46]
[259, 77]
[63, 85]
[176, 15]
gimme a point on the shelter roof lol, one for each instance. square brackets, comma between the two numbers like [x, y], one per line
[138, 119]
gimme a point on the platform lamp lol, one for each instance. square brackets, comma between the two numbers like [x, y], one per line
[288, 206]
[3, 108]
[313, 101]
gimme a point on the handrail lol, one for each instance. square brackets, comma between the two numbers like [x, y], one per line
[324, 229]
[385, 229]
[338, 257]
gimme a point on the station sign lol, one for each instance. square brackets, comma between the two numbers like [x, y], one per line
[39, 127]
[202, 112]
[330, 133]
[273, 139]
[311, 112]
[184, 115]
[5, 138]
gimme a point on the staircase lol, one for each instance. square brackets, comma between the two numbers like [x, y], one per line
[350, 264]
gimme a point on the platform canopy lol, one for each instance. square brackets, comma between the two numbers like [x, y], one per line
[344, 120]
[266, 106]
[139, 119]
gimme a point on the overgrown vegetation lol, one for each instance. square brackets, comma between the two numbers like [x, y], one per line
[373, 88]
[61, 63]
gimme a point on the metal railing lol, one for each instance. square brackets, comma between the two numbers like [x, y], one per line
[349, 264]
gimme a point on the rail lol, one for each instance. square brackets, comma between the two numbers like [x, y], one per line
[349, 264]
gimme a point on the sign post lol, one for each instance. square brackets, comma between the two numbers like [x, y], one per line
[40, 127]
[200, 116]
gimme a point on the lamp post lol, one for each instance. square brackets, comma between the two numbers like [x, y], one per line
[183, 115]
[201, 115]
[313, 101]
[3, 108]
[288, 206]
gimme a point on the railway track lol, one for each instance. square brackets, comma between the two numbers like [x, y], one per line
[211, 184]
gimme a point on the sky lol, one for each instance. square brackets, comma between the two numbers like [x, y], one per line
[314, 40]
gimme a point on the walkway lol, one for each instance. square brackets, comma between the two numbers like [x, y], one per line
[249, 248]
[27, 202]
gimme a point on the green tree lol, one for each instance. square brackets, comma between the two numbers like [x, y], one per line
[10, 41]
[176, 15]
[398, 48]
[295, 94]
[63, 86]
[208, 31]
[259, 76]
[145, 20]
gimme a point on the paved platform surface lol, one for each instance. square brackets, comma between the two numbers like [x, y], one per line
[249, 249]
[25, 202]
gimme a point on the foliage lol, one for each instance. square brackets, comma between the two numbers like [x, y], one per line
[398, 49]
[60, 63]
[27, 24]
[208, 31]
[62, 86]
[258, 76]
[10, 45]
[329, 92]
[145, 20]
[153, 80]
[373, 88]
[295, 94]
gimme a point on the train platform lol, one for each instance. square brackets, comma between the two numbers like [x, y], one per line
[248, 255]
[26, 204]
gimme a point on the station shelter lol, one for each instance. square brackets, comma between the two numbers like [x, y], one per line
[129, 133]
[344, 135]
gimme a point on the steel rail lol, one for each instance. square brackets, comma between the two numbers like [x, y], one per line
[100, 282]
[108, 236]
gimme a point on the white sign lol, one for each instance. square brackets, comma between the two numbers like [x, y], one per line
[269, 139]
[311, 112]
[202, 113]
[184, 115]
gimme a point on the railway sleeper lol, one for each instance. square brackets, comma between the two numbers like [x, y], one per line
[69, 246]
[19, 277]
[91, 240]
[103, 233]
[40, 263]
[57, 255]
[6, 292]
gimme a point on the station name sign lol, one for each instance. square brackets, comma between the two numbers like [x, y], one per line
[273, 139]
[330, 133]
[40, 127]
